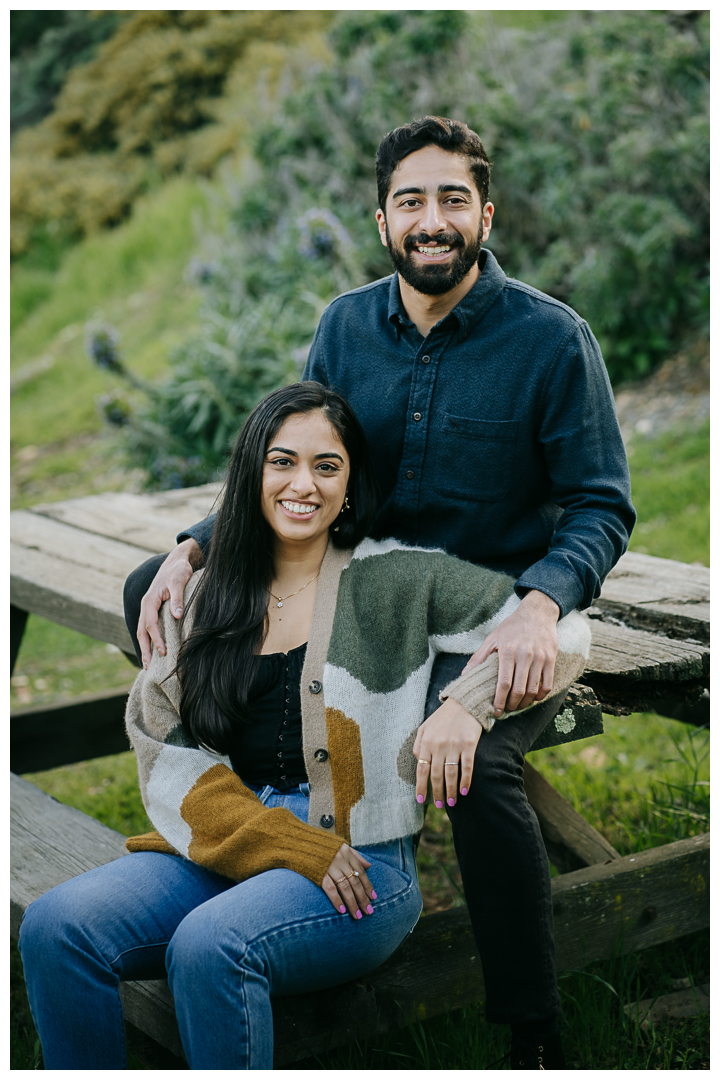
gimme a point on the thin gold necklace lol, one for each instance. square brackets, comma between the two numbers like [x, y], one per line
[281, 599]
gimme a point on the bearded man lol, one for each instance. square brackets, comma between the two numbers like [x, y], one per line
[494, 436]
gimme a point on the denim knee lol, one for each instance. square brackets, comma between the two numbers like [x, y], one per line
[201, 948]
[49, 924]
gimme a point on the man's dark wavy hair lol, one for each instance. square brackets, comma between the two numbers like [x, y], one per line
[217, 662]
[450, 135]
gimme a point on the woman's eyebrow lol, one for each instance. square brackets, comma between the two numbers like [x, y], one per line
[294, 453]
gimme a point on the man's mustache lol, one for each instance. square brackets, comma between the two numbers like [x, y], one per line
[443, 238]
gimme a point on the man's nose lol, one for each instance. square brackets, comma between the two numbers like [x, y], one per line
[433, 219]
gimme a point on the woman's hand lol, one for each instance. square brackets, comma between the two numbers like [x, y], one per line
[346, 884]
[445, 749]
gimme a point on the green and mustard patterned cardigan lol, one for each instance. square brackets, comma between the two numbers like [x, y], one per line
[382, 614]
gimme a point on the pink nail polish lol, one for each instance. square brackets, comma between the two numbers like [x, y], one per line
[359, 915]
[421, 798]
[369, 909]
[374, 895]
[343, 909]
[464, 791]
[451, 802]
[438, 804]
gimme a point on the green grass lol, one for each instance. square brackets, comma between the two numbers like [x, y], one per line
[671, 492]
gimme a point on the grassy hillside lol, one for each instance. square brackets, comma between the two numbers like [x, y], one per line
[133, 278]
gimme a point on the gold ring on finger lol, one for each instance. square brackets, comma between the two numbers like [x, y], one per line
[450, 763]
[340, 880]
[421, 761]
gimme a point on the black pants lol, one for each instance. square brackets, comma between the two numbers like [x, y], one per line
[499, 848]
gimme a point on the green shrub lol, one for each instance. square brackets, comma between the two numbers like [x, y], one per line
[147, 105]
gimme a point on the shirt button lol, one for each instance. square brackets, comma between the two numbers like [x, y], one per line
[321, 755]
[410, 474]
[426, 359]
[327, 821]
[283, 777]
[417, 416]
[315, 687]
[286, 712]
[280, 754]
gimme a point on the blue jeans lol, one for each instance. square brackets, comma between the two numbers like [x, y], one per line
[226, 948]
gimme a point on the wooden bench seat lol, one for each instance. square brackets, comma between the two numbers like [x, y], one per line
[632, 902]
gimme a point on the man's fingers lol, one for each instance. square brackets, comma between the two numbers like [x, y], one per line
[506, 672]
[488, 646]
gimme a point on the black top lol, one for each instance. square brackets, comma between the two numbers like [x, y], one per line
[267, 749]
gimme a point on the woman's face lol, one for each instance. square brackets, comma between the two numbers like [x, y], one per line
[305, 477]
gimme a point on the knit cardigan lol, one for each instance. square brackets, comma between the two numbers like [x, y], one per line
[382, 614]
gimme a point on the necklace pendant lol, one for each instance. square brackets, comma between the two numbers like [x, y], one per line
[279, 604]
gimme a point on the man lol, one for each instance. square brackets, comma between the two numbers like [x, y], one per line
[493, 432]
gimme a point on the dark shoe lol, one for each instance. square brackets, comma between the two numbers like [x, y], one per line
[537, 1054]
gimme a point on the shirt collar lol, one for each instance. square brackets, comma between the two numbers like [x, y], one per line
[471, 308]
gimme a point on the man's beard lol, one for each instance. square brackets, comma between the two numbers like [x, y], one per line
[433, 280]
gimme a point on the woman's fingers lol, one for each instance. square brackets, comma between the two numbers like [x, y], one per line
[421, 779]
[452, 772]
[466, 770]
[348, 886]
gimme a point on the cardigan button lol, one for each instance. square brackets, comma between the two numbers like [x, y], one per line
[321, 755]
[410, 474]
[327, 821]
[417, 416]
[315, 687]
[426, 359]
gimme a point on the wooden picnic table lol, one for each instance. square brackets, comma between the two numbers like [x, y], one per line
[650, 651]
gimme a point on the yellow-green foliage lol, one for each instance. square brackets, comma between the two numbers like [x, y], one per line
[169, 91]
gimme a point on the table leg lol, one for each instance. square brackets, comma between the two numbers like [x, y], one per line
[18, 619]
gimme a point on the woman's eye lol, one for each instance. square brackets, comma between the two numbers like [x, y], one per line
[327, 467]
[280, 461]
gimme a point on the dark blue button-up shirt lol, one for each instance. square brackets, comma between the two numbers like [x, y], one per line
[495, 437]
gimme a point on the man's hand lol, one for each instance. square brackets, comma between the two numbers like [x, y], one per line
[445, 748]
[168, 584]
[527, 644]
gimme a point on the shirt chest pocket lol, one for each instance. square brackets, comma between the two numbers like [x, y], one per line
[474, 459]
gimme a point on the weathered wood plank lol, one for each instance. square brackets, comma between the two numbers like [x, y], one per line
[44, 737]
[83, 599]
[579, 718]
[571, 842]
[669, 597]
[51, 843]
[630, 670]
[149, 521]
[632, 903]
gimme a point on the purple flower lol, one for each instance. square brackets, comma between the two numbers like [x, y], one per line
[101, 341]
[322, 236]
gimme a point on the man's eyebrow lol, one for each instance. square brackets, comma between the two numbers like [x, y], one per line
[294, 453]
[442, 190]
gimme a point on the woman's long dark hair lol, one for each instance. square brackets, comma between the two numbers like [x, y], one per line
[218, 660]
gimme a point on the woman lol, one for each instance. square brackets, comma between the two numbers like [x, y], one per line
[276, 745]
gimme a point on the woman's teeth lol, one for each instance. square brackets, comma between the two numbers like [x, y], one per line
[298, 508]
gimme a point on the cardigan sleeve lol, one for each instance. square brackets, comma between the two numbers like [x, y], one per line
[200, 808]
[470, 602]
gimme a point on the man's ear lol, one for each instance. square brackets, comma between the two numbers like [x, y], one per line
[487, 215]
[382, 226]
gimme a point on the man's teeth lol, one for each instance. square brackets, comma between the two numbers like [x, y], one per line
[298, 508]
[434, 250]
